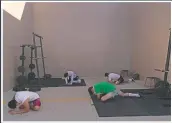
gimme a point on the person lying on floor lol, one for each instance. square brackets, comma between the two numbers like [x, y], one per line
[25, 100]
[107, 90]
[71, 77]
[113, 77]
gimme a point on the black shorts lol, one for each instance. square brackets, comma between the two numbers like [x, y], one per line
[121, 79]
[75, 79]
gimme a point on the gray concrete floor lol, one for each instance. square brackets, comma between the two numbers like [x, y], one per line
[72, 104]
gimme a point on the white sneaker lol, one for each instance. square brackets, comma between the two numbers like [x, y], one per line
[137, 95]
[79, 81]
[134, 95]
[69, 83]
[129, 80]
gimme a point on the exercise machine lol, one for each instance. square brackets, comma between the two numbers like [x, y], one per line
[37, 46]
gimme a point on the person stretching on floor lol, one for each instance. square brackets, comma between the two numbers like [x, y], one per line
[25, 100]
[107, 90]
[113, 77]
[71, 77]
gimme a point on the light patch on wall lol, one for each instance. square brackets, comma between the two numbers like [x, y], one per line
[15, 9]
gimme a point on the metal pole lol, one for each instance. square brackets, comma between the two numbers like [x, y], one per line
[168, 58]
[42, 56]
[23, 60]
[31, 57]
[36, 60]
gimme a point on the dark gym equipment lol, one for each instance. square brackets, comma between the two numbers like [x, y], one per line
[21, 69]
[168, 58]
[131, 106]
[32, 66]
[163, 88]
[39, 45]
[56, 82]
[136, 76]
[124, 73]
[22, 57]
[47, 76]
[19, 88]
[152, 79]
[21, 80]
[36, 59]
[34, 89]
[74, 84]
[161, 70]
[31, 76]
[160, 84]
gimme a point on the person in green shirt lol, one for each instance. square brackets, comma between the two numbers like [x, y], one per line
[106, 90]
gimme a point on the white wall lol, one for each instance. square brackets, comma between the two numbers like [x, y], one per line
[150, 38]
[15, 33]
[89, 38]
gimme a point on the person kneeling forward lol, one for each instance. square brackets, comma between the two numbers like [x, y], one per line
[25, 100]
[71, 77]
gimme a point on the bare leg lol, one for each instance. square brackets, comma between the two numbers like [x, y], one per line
[35, 108]
[107, 96]
[117, 82]
[120, 93]
[66, 81]
[21, 107]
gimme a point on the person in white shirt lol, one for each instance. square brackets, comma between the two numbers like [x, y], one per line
[114, 78]
[71, 77]
[25, 100]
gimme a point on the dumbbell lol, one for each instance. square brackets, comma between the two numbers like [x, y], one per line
[31, 76]
[21, 69]
[32, 66]
[34, 89]
[21, 80]
[47, 76]
[19, 88]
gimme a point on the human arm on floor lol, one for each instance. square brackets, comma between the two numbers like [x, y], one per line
[24, 110]
[110, 80]
[116, 82]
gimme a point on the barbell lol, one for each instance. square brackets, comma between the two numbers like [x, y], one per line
[21, 80]
[31, 76]
[22, 57]
[32, 66]
[21, 69]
